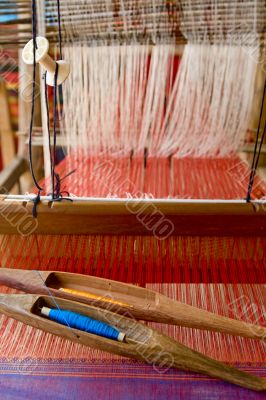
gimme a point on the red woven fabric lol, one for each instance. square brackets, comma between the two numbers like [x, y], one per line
[187, 178]
[224, 275]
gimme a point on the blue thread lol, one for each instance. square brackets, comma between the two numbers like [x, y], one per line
[83, 323]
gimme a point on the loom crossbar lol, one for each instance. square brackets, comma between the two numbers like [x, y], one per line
[160, 218]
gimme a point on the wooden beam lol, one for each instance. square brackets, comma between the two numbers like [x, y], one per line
[135, 217]
[11, 174]
[7, 136]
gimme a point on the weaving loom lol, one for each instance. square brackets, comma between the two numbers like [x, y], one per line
[158, 102]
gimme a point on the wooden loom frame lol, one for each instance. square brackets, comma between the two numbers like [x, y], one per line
[124, 216]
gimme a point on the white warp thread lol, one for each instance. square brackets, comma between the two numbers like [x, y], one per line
[113, 104]
[120, 98]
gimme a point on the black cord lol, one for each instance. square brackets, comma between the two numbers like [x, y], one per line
[59, 28]
[48, 119]
[57, 194]
[256, 156]
[54, 130]
[59, 40]
[34, 29]
[37, 199]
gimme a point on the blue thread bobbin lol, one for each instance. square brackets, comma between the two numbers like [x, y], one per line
[83, 323]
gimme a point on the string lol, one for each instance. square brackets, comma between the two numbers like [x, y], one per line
[59, 28]
[56, 181]
[55, 194]
[36, 200]
[256, 156]
[48, 119]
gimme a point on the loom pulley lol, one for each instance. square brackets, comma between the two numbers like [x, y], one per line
[43, 58]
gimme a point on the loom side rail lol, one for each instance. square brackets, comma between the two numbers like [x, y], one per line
[160, 218]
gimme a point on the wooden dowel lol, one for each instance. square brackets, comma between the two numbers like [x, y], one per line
[109, 216]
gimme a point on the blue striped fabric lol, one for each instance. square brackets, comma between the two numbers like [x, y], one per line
[119, 380]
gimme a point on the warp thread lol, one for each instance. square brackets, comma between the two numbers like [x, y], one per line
[37, 199]
[256, 156]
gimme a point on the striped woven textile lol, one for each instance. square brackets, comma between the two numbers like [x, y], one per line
[225, 275]
[111, 380]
